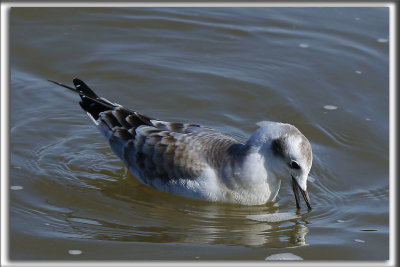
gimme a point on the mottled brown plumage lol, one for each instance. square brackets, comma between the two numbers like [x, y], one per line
[163, 150]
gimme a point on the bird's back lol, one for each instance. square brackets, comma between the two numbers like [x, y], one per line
[163, 151]
[155, 150]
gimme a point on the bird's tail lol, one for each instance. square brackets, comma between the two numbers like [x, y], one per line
[90, 101]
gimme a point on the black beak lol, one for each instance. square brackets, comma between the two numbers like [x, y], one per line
[296, 189]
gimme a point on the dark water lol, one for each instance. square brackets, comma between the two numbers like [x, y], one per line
[226, 68]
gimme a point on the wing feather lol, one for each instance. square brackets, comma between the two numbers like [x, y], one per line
[154, 149]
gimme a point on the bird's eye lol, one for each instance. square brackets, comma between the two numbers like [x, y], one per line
[294, 165]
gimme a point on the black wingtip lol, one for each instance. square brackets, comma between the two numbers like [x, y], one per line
[87, 95]
[83, 88]
[63, 85]
[53, 82]
[79, 82]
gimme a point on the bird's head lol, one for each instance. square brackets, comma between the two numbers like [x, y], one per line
[287, 154]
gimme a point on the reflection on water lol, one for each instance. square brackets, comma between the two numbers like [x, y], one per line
[214, 224]
[193, 221]
[325, 70]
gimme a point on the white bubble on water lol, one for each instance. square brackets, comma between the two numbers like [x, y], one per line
[382, 40]
[359, 240]
[330, 107]
[304, 45]
[75, 252]
[283, 257]
[273, 217]
[16, 187]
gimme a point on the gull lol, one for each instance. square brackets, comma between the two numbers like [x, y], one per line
[199, 162]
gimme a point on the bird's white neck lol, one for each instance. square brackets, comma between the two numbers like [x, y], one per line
[247, 176]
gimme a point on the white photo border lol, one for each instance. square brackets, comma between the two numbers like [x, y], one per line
[5, 131]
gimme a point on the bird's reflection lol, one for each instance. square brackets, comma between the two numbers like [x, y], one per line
[153, 216]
